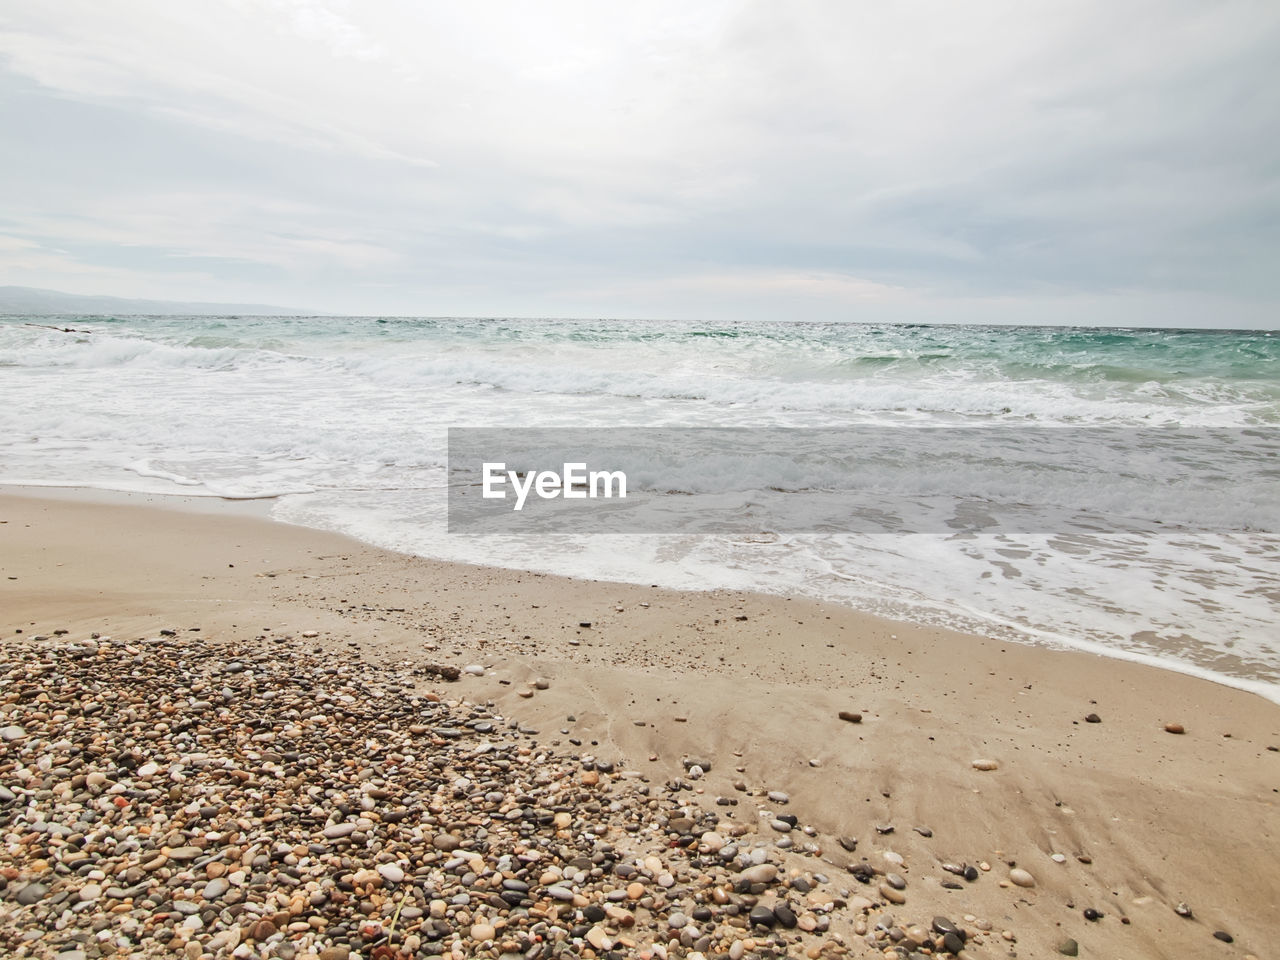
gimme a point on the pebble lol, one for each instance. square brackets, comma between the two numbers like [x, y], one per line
[850, 717]
[11, 733]
[761, 873]
[891, 894]
[985, 765]
[31, 893]
[391, 872]
[1021, 878]
[1069, 948]
[597, 937]
[1174, 728]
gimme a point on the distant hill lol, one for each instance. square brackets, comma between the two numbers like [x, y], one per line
[32, 301]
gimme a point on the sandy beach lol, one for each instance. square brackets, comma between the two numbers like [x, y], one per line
[1117, 815]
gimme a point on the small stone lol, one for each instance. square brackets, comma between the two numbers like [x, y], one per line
[1020, 877]
[761, 873]
[892, 895]
[762, 916]
[473, 669]
[784, 916]
[1069, 948]
[90, 892]
[12, 733]
[216, 888]
[480, 932]
[711, 842]
[1223, 936]
[335, 831]
[446, 842]
[777, 796]
[1092, 718]
[850, 716]
[1183, 910]
[391, 872]
[335, 953]
[985, 765]
[1174, 728]
[849, 843]
[598, 939]
[1092, 914]
[32, 893]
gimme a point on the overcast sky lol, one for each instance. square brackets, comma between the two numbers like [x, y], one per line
[1086, 162]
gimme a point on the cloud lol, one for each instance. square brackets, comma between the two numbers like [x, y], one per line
[498, 155]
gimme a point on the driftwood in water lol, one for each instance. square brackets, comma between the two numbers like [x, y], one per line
[47, 326]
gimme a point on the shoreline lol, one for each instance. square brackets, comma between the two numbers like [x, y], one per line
[261, 508]
[753, 684]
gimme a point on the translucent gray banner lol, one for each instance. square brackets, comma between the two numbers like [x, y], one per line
[865, 480]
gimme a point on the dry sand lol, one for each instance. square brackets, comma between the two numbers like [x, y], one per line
[754, 684]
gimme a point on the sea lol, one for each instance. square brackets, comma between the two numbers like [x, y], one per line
[340, 423]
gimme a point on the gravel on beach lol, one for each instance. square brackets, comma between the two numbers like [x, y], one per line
[182, 796]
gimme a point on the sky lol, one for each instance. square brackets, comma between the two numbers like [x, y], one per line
[1084, 162]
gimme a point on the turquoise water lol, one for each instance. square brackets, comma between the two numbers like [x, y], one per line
[342, 421]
